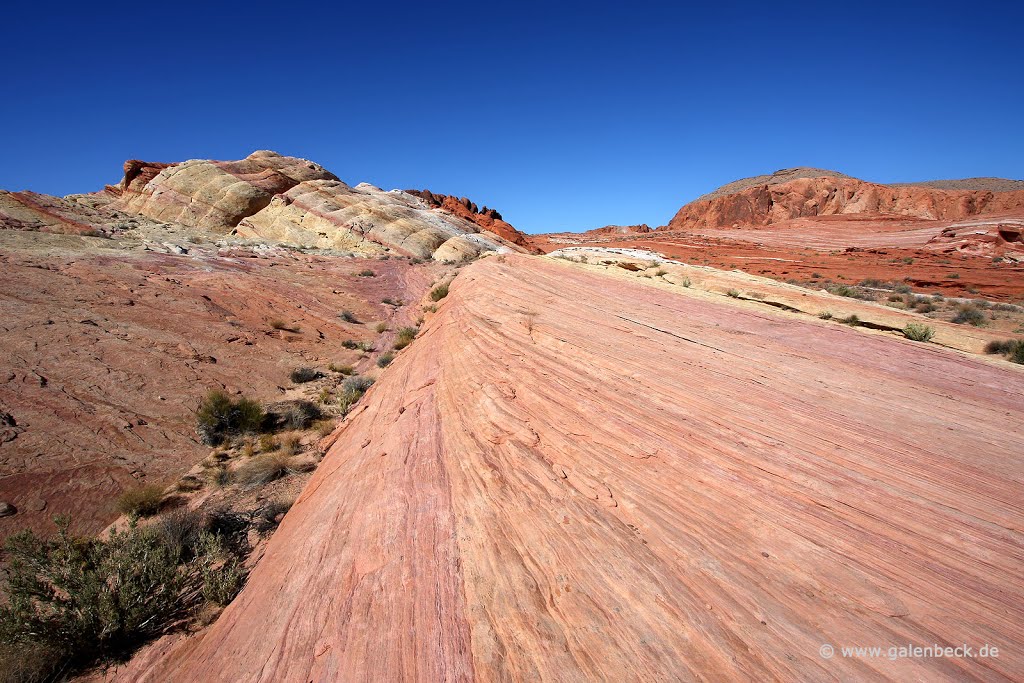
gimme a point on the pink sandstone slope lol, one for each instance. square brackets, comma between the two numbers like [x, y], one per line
[570, 477]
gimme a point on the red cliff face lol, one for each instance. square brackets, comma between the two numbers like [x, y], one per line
[486, 218]
[766, 203]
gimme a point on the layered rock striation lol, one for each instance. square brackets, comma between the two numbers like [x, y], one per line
[569, 477]
[781, 198]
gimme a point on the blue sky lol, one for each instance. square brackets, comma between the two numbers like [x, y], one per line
[563, 116]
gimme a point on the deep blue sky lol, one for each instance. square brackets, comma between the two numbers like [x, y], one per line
[560, 115]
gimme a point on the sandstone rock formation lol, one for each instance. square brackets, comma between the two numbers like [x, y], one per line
[330, 214]
[620, 230]
[572, 478]
[488, 219]
[770, 203]
[781, 197]
[214, 195]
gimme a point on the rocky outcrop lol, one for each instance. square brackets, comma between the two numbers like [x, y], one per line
[488, 219]
[213, 195]
[329, 214]
[765, 204]
[570, 477]
[620, 230]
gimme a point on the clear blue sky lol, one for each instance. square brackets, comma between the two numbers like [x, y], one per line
[562, 115]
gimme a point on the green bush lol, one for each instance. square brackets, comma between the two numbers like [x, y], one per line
[1013, 349]
[367, 273]
[301, 375]
[439, 292]
[349, 317]
[218, 417]
[385, 359]
[405, 337]
[918, 332]
[733, 293]
[91, 599]
[969, 314]
[352, 389]
[141, 501]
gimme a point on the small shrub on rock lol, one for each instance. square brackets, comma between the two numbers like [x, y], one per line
[918, 332]
[142, 501]
[302, 375]
[349, 317]
[405, 337]
[263, 469]
[439, 292]
[219, 417]
[385, 359]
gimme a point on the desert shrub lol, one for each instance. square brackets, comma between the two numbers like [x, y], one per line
[323, 427]
[432, 308]
[895, 297]
[263, 469]
[1010, 308]
[953, 276]
[851, 320]
[88, 599]
[188, 483]
[30, 662]
[301, 375]
[918, 332]
[825, 315]
[733, 293]
[439, 292]
[218, 417]
[222, 573]
[279, 324]
[1013, 349]
[756, 295]
[385, 359]
[221, 476]
[902, 288]
[349, 317]
[685, 282]
[405, 337]
[391, 302]
[268, 443]
[289, 444]
[659, 272]
[367, 273]
[850, 292]
[925, 307]
[269, 516]
[365, 346]
[969, 314]
[381, 328]
[295, 414]
[341, 369]
[141, 501]
[181, 530]
[352, 389]
[350, 344]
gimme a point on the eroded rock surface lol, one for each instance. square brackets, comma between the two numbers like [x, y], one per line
[569, 477]
[774, 202]
[105, 352]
